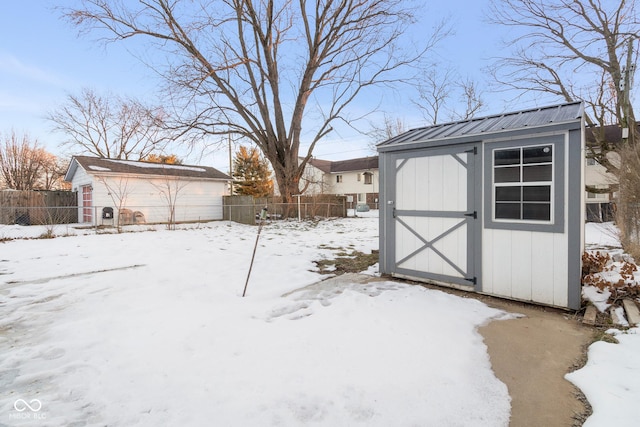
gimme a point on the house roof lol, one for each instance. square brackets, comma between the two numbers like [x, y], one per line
[612, 133]
[363, 163]
[94, 165]
[556, 114]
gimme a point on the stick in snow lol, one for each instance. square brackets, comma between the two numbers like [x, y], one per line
[263, 216]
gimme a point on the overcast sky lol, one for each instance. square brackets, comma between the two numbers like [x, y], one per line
[42, 60]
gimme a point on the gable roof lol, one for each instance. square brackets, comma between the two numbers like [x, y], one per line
[555, 114]
[94, 165]
[351, 165]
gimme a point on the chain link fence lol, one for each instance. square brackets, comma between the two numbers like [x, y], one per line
[30, 208]
[246, 209]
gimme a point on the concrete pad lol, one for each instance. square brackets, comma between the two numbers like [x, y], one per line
[531, 355]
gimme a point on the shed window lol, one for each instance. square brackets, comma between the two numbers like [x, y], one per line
[523, 183]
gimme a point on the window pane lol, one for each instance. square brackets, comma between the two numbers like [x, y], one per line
[536, 173]
[537, 154]
[507, 174]
[537, 211]
[508, 194]
[537, 193]
[506, 157]
[507, 210]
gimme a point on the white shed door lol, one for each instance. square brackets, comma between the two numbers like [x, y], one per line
[434, 215]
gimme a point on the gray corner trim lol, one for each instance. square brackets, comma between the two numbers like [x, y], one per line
[575, 213]
[475, 255]
[387, 172]
[557, 225]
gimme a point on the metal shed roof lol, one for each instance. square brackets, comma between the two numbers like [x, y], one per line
[544, 116]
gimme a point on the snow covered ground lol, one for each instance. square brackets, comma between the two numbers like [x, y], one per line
[150, 329]
[611, 378]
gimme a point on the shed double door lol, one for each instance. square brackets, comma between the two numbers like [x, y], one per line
[434, 223]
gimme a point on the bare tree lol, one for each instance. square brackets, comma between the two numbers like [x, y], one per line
[576, 50]
[440, 91]
[251, 67]
[110, 126]
[118, 190]
[53, 171]
[434, 89]
[582, 50]
[389, 128]
[471, 97]
[170, 188]
[25, 165]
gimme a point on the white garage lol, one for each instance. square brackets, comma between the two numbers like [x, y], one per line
[492, 205]
[120, 192]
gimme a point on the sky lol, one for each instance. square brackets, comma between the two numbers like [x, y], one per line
[43, 59]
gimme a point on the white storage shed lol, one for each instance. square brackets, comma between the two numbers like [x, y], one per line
[127, 192]
[493, 205]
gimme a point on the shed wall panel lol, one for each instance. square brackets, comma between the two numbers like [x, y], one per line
[521, 268]
[561, 274]
[526, 265]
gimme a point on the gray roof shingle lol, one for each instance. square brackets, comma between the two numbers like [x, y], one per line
[362, 163]
[101, 165]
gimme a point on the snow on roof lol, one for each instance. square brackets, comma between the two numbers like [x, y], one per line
[157, 165]
[115, 166]
[99, 168]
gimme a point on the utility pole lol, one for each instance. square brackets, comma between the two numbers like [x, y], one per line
[230, 168]
[628, 125]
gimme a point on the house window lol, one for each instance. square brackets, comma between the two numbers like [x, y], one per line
[523, 183]
[368, 178]
[358, 175]
[591, 162]
[338, 178]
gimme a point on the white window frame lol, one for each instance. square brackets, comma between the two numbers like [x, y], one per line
[522, 184]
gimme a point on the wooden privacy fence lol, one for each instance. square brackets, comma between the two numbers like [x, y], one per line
[245, 209]
[38, 207]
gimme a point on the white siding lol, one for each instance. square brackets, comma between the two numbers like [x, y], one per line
[525, 265]
[350, 183]
[437, 184]
[196, 200]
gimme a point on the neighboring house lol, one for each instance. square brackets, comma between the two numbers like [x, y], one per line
[124, 191]
[356, 178]
[599, 204]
